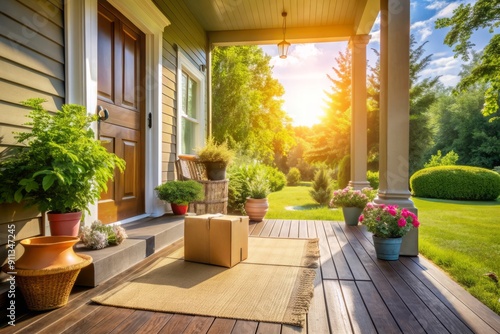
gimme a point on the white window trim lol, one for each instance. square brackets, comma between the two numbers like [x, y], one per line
[81, 77]
[185, 65]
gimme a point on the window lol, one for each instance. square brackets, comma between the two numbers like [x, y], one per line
[191, 106]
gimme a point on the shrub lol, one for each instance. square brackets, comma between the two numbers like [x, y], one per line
[241, 174]
[344, 175]
[293, 177]
[321, 188]
[180, 192]
[456, 183]
[450, 158]
[213, 152]
[373, 178]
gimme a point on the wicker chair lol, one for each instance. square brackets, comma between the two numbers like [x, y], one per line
[216, 192]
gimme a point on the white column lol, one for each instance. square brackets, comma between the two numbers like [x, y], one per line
[395, 111]
[357, 44]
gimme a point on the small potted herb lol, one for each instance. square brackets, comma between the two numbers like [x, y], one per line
[256, 204]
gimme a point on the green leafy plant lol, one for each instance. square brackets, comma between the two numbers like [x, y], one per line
[258, 186]
[180, 192]
[60, 166]
[388, 221]
[348, 197]
[214, 152]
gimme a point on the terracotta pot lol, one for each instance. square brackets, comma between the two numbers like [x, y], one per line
[48, 252]
[64, 223]
[47, 271]
[256, 208]
[179, 209]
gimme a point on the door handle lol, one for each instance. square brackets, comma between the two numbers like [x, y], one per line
[102, 113]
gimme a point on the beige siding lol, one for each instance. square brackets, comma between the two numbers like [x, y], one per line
[186, 34]
[31, 65]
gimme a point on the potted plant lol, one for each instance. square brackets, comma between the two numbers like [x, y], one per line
[388, 224]
[60, 167]
[352, 202]
[216, 157]
[256, 204]
[179, 194]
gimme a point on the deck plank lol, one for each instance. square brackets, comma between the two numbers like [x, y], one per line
[256, 227]
[268, 328]
[343, 269]
[327, 266]
[285, 229]
[176, 324]
[358, 314]
[276, 230]
[356, 267]
[336, 308]
[220, 326]
[199, 324]
[154, 324]
[245, 327]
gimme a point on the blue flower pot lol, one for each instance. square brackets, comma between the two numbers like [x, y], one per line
[387, 248]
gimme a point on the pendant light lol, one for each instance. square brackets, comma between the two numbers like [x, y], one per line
[283, 45]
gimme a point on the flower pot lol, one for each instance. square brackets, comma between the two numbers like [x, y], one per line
[64, 223]
[216, 171]
[387, 248]
[179, 209]
[47, 270]
[351, 215]
[256, 208]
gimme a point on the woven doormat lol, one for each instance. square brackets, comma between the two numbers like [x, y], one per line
[273, 285]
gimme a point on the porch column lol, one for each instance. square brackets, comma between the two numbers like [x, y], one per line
[357, 44]
[395, 111]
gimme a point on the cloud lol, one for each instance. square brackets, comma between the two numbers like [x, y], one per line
[447, 67]
[434, 5]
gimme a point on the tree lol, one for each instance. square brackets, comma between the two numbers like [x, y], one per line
[460, 127]
[332, 136]
[247, 105]
[466, 19]
[321, 189]
[422, 96]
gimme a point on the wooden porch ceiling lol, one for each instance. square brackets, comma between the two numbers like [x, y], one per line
[233, 22]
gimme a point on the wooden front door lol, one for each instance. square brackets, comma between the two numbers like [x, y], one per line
[121, 93]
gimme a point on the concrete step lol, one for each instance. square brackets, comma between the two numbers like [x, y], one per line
[145, 237]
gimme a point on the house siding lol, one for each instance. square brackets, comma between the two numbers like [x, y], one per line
[185, 35]
[31, 65]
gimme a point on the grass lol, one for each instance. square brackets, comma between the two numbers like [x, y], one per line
[296, 203]
[463, 238]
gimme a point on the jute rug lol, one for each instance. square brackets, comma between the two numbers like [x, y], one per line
[275, 284]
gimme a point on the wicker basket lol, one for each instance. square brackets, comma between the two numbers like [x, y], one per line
[47, 289]
[215, 201]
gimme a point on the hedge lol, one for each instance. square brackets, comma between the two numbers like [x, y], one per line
[456, 183]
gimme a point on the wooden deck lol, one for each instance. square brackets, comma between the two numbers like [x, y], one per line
[354, 293]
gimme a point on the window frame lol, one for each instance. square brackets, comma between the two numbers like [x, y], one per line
[186, 66]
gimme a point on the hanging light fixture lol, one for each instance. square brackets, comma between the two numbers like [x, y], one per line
[283, 45]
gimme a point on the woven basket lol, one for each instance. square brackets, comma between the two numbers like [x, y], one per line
[47, 289]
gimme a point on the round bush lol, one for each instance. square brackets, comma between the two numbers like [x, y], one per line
[456, 183]
[293, 177]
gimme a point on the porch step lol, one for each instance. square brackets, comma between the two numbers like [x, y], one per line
[145, 237]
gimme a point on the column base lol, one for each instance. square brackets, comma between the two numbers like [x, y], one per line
[358, 185]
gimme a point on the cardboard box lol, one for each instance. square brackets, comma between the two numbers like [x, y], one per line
[216, 239]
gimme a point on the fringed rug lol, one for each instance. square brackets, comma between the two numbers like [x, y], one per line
[275, 284]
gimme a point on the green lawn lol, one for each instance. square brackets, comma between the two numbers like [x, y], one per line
[463, 238]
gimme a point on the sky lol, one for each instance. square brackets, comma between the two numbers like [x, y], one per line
[303, 73]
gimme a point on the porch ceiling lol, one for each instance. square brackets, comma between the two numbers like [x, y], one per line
[237, 22]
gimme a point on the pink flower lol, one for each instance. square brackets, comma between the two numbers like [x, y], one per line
[370, 205]
[405, 213]
[401, 222]
[416, 223]
[361, 217]
[392, 210]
